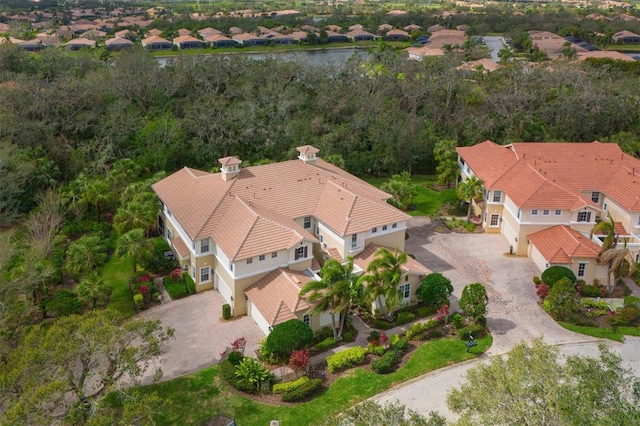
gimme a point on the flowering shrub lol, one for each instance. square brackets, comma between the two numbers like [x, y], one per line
[144, 278]
[239, 345]
[176, 275]
[542, 290]
[299, 359]
[144, 289]
[443, 314]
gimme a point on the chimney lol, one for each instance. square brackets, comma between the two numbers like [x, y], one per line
[307, 153]
[230, 167]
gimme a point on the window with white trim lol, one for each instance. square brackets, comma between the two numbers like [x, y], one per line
[354, 241]
[261, 257]
[604, 206]
[395, 225]
[595, 197]
[545, 212]
[405, 290]
[250, 261]
[374, 231]
[558, 212]
[204, 245]
[384, 227]
[301, 253]
[497, 196]
[274, 254]
[205, 274]
[534, 212]
[306, 318]
[307, 222]
[169, 236]
[231, 266]
[584, 216]
[582, 267]
[494, 219]
[193, 271]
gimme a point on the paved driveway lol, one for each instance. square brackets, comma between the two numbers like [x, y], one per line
[200, 334]
[514, 314]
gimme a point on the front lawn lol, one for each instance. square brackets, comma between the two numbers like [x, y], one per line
[196, 398]
[603, 333]
[428, 201]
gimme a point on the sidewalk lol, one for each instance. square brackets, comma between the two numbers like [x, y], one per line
[361, 340]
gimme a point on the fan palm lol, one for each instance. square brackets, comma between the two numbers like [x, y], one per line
[620, 263]
[469, 189]
[382, 279]
[135, 246]
[92, 289]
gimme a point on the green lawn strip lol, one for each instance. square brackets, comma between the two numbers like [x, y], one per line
[604, 333]
[428, 201]
[194, 399]
[116, 273]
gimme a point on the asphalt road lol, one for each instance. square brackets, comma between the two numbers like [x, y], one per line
[494, 44]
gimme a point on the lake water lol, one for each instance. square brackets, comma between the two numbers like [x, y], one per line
[315, 57]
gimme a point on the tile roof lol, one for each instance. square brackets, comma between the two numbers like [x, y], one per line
[154, 39]
[279, 193]
[276, 295]
[364, 258]
[186, 39]
[618, 229]
[180, 247]
[566, 168]
[561, 244]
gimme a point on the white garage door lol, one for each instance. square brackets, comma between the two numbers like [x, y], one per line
[220, 285]
[257, 316]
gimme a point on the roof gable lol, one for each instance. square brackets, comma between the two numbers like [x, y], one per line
[560, 244]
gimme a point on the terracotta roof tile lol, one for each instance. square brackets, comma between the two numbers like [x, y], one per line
[180, 247]
[559, 244]
[618, 228]
[365, 257]
[276, 295]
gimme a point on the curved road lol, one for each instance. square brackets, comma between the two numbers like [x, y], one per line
[514, 315]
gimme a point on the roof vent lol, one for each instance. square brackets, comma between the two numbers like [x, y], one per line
[307, 153]
[230, 167]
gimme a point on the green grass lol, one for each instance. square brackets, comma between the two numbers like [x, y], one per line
[116, 273]
[603, 333]
[195, 399]
[177, 290]
[428, 201]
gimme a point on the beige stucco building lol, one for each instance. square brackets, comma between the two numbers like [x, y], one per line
[259, 234]
[546, 198]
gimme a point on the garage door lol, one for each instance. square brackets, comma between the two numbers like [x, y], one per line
[223, 288]
[257, 316]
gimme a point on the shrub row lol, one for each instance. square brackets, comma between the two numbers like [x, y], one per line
[632, 301]
[302, 392]
[375, 349]
[419, 328]
[387, 363]
[382, 324]
[345, 359]
[588, 303]
[325, 344]
[425, 311]
[405, 317]
[289, 386]
[587, 290]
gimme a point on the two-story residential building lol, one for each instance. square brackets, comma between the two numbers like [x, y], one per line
[545, 198]
[258, 234]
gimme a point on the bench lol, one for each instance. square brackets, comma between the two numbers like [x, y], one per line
[470, 344]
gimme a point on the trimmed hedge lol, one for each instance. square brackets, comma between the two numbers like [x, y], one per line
[476, 330]
[288, 337]
[387, 363]
[382, 324]
[405, 317]
[375, 349]
[590, 290]
[632, 301]
[226, 311]
[289, 386]
[553, 274]
[345, 359]
[325, 344]
[302, 392]
[419, 327]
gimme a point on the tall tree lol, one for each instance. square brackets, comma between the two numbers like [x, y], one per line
[468, 190]
[474, 301]
[65, 369]
[382, 279]
[92, 289]
[609, 244]
[333, 292]
[534, 386]
[135, 246]
[401, 188]
[86, 254]
[620, 261]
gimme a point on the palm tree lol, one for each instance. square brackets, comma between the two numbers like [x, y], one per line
[610, 242]
[92, 289]
[620, 261]
[333, 292]
[469, 189]
[382, 279]
[134, 245]
[140, 212]
[86, 254]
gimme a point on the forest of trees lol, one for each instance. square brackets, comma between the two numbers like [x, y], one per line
[63, 114]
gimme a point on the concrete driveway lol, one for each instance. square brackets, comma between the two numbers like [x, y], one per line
[514, 314]
[201, 334]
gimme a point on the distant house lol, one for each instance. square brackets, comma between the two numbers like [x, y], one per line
[156, 43]
[94, 35]
[396, 35]
[118, 43]
[235, 30]
[125, 34]
[384, 28]
[356, 27]
[307, 28]
[4, 28]
[220, 40]
[360, 35]
[205, 32]
[337, 37]
[626, 37]
[34, 45]
[154, 32]
[333, 28]
[184, 32]
[188, 42]
[299, 36]
[412, 27]
[247, 39]
[79, 43]
[278, 38]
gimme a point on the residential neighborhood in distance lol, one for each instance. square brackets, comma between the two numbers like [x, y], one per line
[546, 198]
[259, 234]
